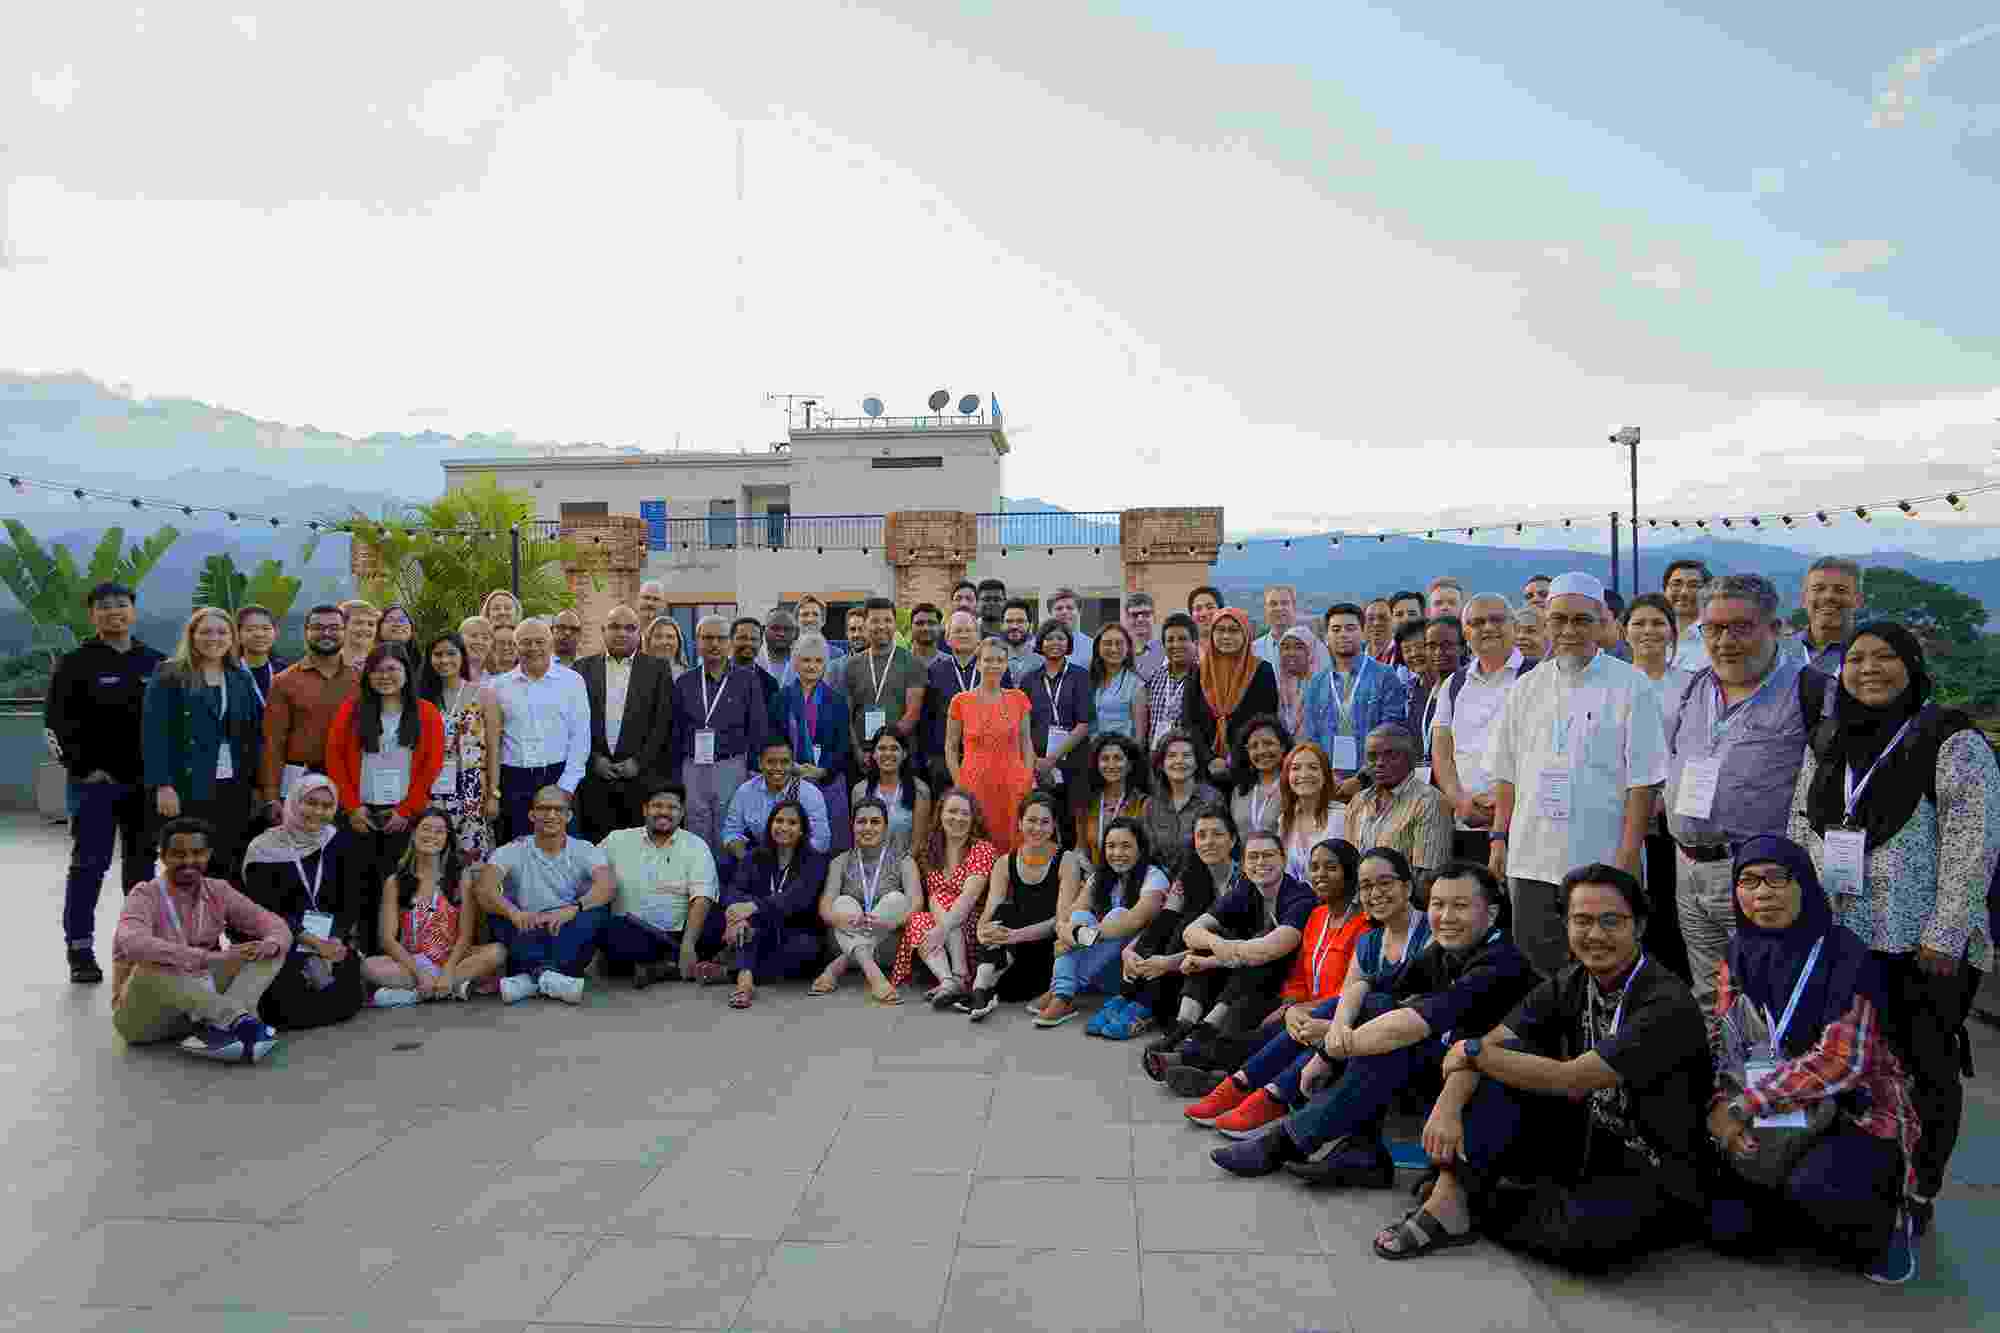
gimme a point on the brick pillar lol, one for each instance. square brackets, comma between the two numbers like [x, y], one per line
[611, 550]
[1169, 552]
[929, 550]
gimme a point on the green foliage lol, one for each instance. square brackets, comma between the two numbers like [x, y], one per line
[1932, 610]
[222, 584]
[25, 674]
[51, 587]
[1968, 675]
[440, 559]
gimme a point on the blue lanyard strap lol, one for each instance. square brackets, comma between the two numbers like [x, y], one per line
[1798, 988]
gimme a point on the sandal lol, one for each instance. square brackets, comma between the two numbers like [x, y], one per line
[823, 985]
[741, 999]
[1420, 1233]
[887, 995]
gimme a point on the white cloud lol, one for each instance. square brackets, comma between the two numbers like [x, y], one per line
[473, 99]
[1663, 276]
[55, 90]
[1857, 256]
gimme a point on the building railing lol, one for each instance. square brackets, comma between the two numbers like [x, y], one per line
[867, 532]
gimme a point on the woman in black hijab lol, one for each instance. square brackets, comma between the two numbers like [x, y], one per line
[1800, 999]
[1920, 785]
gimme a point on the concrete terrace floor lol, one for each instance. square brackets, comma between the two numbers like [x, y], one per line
[656, 1160]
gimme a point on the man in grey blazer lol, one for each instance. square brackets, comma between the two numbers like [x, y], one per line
[631, 725]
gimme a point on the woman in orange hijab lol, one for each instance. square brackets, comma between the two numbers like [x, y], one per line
[1235, 687]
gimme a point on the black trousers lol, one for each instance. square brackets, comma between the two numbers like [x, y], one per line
[1250, 992]
[1664, 942]
[291, 1002]
[1026, 970]
[1925, 1023]
[227, 807]
[604, 807]
[366, 859]
[1163, 996]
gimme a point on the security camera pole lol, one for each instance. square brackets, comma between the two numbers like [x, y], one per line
[1629, 438]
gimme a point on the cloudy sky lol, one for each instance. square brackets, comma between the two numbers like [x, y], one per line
[1328, 265]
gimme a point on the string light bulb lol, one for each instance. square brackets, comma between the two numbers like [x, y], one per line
[1756, 522]
[187, 511]
[1787, 518]
[15, 482]
[136, 504]
[232, 516]
[1824, 520]
[1906, 506]
[274, 523]
[1861, 512]
[78, 493]
[1727, 524]
[1955, 501]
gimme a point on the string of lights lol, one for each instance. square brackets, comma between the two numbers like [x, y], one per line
[1823, 512]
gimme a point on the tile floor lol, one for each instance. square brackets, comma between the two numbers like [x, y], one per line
[657, 1161]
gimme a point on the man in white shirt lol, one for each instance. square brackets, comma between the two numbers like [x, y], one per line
[1064, 606]
[664, 919]
[537, 729]
[1468, 704]
[1281, 608]
[1577, 759]
[1682, 584]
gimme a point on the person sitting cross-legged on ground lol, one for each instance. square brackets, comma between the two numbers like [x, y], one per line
[1239, 951]
[1017, 927]
[1469, 979]
[770, 915]
[1096, 916]
[1311, 991]
[664, 923]
[429, 925]
[294, 870]
[172, 977]
[1591, 1093]
[870, 891]
[1150, 964]
[956, 859]
[549, 899]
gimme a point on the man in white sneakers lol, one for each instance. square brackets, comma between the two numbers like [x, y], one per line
[550, 900]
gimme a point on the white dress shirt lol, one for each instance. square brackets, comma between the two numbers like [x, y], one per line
[1690, 650]
[1471, 717]
[617, 684]
[1602, 727]
[545, 721]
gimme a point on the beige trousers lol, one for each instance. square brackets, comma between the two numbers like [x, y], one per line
[891, 909]
[157, 1005]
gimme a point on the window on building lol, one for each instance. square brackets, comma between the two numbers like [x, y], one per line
[722, 522]
[575, 509]
[920, 460]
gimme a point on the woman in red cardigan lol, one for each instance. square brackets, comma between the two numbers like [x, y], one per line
[384, 752]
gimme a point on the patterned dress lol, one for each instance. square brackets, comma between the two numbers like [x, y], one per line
[430, 928]
[941, 893]
[992, 769]
[464, 798]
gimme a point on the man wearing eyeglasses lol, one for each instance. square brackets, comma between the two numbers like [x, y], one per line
[548, 896]
[1467, 705]
[1682, 584]
[1576, 758]
[1736, 737]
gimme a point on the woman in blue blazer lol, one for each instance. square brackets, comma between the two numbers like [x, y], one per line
[813, 715]
[771, 910]
[202, 732]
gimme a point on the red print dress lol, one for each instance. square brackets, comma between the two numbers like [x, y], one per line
[941, 892]
[993, 770]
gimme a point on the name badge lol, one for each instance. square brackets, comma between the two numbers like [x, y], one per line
[447, 780]
[872, 721]
[110, 680]
[1755, 1072]
[318, 923]
[1696, 798]
[1555, 795]
[1346, 754]
[1055, 742]
[1846, 870]
[225, 764]
[387, 786]
[704, 746]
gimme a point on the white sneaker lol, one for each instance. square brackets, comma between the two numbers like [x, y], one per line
[462, 991]
[391, 997]
[514, 989]
[1086, 935]
[559, 987]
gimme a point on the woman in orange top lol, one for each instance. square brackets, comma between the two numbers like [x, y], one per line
[987, 744]
[383, 752]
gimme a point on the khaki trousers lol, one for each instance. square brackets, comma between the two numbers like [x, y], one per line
[157, 1005]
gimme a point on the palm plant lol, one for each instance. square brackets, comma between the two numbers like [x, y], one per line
[51, 587]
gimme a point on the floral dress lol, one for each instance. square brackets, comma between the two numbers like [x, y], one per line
[461, 791]
[941, 892]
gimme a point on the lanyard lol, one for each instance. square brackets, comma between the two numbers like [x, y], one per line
[1257, 808]
[1618, 1014]
[1854, 789]
[708, 706]
[312, 889]
[174, 914]
[1053, 696]
[960, 673]
[1720, 727]
[882, 681]
[1345, 706]
[778, 883]
[1798, 989]
[1331, 929]
[252, 673]
[868, 886]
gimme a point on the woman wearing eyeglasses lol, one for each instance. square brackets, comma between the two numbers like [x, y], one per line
[1898, 805]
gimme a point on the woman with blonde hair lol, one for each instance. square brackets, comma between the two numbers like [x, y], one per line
[476, 633]
[202, 734]
[663, 640]
[501, 608]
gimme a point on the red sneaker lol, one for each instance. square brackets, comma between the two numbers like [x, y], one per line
[1224, 1097]
[1254, 1117]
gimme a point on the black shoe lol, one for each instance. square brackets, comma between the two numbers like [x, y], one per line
[981, 1003]
[1259, 1156]
[83, 968]
[652, 974]
[1170, 1037]
[1920, 1211]
[1353, 1163]
[1187, 1081]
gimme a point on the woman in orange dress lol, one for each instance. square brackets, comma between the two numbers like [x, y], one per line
[987, 744]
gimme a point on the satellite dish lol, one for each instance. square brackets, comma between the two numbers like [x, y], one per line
[939, 399]
[872, 405]
[968, 405]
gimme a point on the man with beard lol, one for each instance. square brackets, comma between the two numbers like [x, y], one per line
[631, 726]
[719, 723]
[1831, 597]
[1016, 627]
[885, 687]
[746, 637]
[1577, 757]
[548, 897]
[299, 713]
[172, 976]
[1736, 738]
[965, 596]
[992, 606]
[781, 631]
[925, 624]
[663, 917]
[566, 632]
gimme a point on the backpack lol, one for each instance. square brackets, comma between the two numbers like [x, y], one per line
[1458, 677]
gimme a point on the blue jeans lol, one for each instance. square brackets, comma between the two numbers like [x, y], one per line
[1281, 1060]
[1093, 968]
[99, 813]
[568, 950]
[1358, 1099]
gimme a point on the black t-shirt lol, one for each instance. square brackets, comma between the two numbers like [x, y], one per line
[1245, 913]
[1659, 1051]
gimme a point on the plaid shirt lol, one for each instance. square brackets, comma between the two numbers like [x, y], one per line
[1417, 823]
[1164, 696]
[1851, 1053]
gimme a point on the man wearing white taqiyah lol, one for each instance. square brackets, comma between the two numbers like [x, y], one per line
[1576, 759]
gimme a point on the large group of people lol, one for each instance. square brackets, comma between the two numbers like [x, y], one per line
[1666, 925]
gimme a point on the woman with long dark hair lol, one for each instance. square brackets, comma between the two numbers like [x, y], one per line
[1111, 903]
[384, 749]
[460, 786]
[1256, 773]
[890, 778]
[428, 925]
[1115, 783]
[1178, 795]
[1898, 804]
[770, 911]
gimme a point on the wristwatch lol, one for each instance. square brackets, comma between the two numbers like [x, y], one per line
[1472, 1049]
[1498, 835]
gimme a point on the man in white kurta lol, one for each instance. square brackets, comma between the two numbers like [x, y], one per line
[1575, 758]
